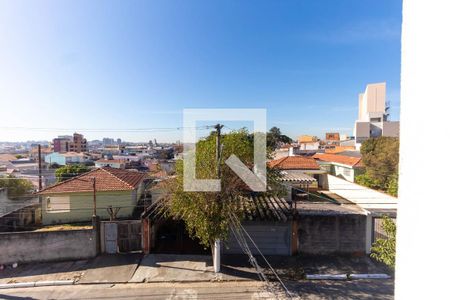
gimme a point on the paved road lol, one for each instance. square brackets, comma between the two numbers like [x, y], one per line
[358, 289]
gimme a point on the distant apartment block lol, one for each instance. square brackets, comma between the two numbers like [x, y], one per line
[373, 115]
[307, 139]
[66, 143]
[332, 137]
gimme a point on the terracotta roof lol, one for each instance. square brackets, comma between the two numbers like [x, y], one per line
[339, 149]
[158, 174]
[112, 161]
[106, 179]
[7, 157]
[342, 159]
[294, 163]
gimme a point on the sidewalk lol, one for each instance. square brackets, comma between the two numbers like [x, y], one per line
[136, 268]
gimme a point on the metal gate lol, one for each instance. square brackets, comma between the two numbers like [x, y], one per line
[271, 239]
[121, 236]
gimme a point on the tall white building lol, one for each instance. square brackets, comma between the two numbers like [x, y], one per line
[373, 115]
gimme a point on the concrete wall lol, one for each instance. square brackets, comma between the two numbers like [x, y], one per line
[332, 234]
[391, 128]
[81, 206]
[32, 246]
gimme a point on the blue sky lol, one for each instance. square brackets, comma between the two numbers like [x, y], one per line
[91, 65]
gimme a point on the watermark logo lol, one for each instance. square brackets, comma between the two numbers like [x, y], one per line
[256, 179]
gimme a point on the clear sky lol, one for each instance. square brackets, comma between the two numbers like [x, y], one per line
[136, 64]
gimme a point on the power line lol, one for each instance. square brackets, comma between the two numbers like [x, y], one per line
[147, 129]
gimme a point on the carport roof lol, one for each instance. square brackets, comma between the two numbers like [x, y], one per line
[253, 208]
[296, 177]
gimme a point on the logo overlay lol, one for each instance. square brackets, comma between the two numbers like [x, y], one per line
[256, 179]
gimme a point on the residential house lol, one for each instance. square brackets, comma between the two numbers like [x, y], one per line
[331, 218]
[73, 200]
[66, 158]
[343, 166]
[34, 152]
[295, 166]
[7, 157]
[338, 149]
[278, 226]
[309, 146]
[307, 139]
[113, 163]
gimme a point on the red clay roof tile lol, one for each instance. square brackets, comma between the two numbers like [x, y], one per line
[342, 159]
[294, 163]
[106, 179]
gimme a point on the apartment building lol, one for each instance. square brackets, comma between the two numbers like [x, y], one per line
[373, 115]
[66, 143]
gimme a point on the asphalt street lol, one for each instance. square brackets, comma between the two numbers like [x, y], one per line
[357, 289]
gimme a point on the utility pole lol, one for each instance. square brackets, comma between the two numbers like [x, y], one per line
[216, 254]
[95, 196]
[218, 127]
[40, 167]
[95, 218]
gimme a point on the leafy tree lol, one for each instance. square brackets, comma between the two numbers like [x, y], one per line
[384, 249]
[275, 138]
[380, 157]
[206, 214]
[393, 185]
[19, 156]
[17, 187]
[69, 171]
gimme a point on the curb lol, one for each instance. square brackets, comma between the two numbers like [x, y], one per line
[326, 276]
[369, 276]
[345, 276]
[36, 284]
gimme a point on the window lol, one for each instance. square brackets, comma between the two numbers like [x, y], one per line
[346, 172]
[58, 204]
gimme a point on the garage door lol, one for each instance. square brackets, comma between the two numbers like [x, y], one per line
[271, 239]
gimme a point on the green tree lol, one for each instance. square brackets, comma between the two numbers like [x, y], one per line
[206, 214]
[384, 249]
[393, 185]
[380, 157]
[17, 187]
[69, 171]
[275, 138]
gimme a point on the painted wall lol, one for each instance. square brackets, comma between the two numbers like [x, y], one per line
[340, 170]
[81, 206]
[32, 246]
[55, 158]
[116, 165]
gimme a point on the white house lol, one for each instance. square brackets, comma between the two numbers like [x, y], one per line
[113, 163]
[346, 167]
